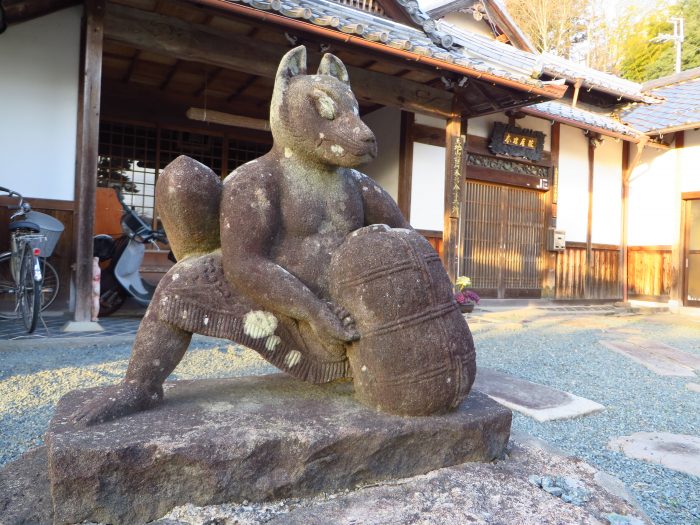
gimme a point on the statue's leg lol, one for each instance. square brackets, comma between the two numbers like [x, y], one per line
[158, 348]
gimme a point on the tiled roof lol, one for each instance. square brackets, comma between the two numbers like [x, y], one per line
[594, 121]
[558, 67]
[432, 41]
[679, 110]
[476, 45]
[482, 47]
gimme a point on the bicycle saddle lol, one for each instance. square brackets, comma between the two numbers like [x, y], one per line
[24, 225]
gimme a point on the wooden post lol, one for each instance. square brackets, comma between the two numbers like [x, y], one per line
[626, 172]
[406, 164]
[589, 225]
[549, 283]
[455, 154]
[86, 165]
[677, 291]
[628, 165]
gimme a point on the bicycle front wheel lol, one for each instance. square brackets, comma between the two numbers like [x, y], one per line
[8, 288]
[30, 290]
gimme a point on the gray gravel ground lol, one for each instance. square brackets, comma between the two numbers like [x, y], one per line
[562, 351]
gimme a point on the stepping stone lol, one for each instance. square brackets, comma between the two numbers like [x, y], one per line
[676, 451]
[251, 438]
[540, 402]
[657, 357]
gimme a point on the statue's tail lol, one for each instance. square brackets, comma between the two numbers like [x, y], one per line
[188, 195]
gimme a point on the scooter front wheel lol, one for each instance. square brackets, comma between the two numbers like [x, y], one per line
[111, 300]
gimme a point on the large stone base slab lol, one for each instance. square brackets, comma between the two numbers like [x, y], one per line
[252, 438]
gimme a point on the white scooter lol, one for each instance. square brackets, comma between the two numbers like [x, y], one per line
[122, 278]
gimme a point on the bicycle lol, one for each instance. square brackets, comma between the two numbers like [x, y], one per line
[28, 282]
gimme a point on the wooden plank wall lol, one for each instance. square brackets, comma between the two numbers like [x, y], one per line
[63, 254]
[649, 272]
[434, 238]
[571, 277]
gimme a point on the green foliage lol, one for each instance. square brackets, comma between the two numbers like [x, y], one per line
[644, 60]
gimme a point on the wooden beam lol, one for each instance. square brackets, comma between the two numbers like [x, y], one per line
[22, 10]
[406, 164]
[549, 279]
[678, 269]
[198, 43]
[629, 162]
[455, 156]
[626, 163]
[87, 147]
[588, 270]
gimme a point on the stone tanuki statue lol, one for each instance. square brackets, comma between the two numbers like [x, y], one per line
[305, 260]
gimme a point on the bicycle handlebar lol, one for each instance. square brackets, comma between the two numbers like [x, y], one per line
[23, 207]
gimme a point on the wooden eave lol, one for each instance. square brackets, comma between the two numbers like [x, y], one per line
[17, 11]
[161, 58]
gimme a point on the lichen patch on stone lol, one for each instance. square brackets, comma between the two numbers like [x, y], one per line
[337, 149]
[271, 342]
[259, 323]
[292, 358]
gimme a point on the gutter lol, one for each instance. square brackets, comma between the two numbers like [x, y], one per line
[550, 91]
[673, 129]
[577, 124]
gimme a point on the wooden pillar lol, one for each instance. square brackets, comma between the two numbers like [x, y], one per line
[86, 165]
[676, 293]
[406, 164]
[589, 225]
[626, 172]
[549, 283]
[629, 162]
[455, 155]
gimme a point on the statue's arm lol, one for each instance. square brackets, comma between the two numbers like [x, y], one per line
[249, 222]
[379, 207]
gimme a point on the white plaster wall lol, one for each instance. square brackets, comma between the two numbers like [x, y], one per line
[690, 162]
[39, 66]
[428, 187]
[466, 22]
[483, 126]
[428, 120]
[572, 201]
[653, 199]
[607, 193]
[386, 124]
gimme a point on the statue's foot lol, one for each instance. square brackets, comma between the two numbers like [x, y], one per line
[117, 401]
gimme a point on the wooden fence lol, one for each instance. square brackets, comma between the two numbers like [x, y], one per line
[604, 281]
[649, 272]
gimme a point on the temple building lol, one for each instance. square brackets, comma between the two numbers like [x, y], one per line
[535, 176]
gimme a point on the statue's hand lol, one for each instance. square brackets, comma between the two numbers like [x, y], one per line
[334, 324]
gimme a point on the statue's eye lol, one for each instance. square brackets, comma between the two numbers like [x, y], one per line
[324, 105]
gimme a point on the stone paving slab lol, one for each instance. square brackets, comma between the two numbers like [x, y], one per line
[675, 451]
[251, 438]
[539, 402]
[693, 387]
[658, 357]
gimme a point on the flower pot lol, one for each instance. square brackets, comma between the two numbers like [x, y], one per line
[466, 308]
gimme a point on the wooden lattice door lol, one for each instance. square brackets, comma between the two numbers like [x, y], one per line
[504, 239]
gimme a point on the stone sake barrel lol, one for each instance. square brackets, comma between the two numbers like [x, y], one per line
[415, 355]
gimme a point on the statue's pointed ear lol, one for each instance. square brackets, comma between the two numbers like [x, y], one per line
[292, 64]
[331, 65]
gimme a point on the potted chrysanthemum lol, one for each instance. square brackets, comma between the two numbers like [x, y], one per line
[466, 299]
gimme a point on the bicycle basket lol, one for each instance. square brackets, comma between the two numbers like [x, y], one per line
[49, 227]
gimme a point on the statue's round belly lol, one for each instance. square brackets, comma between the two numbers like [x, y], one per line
[308, 259]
